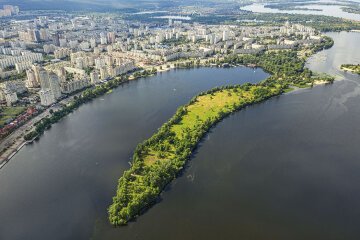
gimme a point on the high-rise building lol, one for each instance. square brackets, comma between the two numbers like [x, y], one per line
[103, 40]
[225, 35]
[36, 69]
[56, 39]
[35, 35]
[111, 37]
[80, 63]
[31, 79]
[46, 97]
[54, 85]
[44, 78]
[104, 73]
[61, 73]
[92, 43]
[94, 76]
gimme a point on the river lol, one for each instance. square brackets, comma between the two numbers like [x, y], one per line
[327, 10]
[66, 180]
[288, 168]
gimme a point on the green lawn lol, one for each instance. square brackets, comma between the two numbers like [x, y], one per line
[205, 107]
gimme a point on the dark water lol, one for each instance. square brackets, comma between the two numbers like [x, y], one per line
[288, 168]
[58, 187]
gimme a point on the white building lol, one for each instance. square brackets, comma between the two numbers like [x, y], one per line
[31, 79]
[47, 97]
[94, 76]
[11, 61]
[13, 86]
[71, 86]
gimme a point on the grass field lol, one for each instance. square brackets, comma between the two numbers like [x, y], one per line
[205, 107]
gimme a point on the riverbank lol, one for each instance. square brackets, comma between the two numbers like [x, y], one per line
[38, 125]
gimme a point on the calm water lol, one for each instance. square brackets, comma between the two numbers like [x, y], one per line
[327, 10]
[58, 187]
[285, 169]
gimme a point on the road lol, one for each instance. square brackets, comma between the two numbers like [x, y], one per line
[12, 142]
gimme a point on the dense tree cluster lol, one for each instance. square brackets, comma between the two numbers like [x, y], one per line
[285, 66]
[318, 22]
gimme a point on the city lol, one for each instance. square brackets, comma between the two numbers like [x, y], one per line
[50, 58]
[56, 64]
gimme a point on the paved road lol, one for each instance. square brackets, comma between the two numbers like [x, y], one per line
[16, 139]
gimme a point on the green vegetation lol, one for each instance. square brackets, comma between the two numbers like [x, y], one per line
[351, 67]
[9, 68]
[69, 76]
[318, 22]
[158, 160]
[47, 57]
[144, 73]
[89, 69]
[9, 112]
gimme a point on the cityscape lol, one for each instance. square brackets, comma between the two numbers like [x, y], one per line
[57, 62]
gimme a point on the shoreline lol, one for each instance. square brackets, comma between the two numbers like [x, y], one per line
[11, 151]
[70, 104]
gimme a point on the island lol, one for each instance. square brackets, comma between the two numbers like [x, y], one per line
[160, 159]
[351, 68]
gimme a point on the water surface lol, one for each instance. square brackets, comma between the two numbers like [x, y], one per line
[327, 10]
[58, 187]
